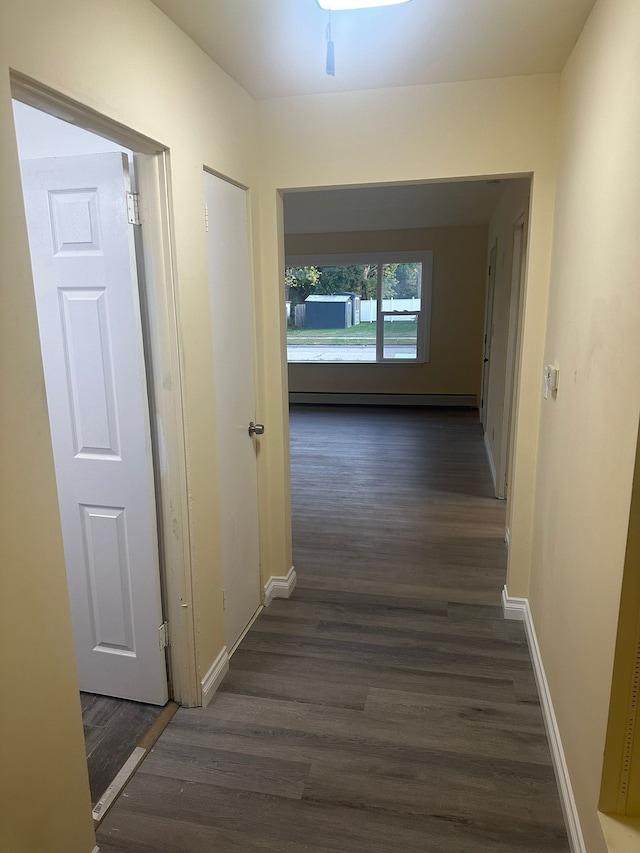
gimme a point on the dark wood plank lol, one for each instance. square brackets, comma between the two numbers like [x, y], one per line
[112, 729]
[497, 688]
[387, 706]
[228, 769]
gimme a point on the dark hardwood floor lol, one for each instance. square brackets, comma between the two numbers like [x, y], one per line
[112, 730]
[387, 706]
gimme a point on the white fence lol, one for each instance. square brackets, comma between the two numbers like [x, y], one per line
[369, 308]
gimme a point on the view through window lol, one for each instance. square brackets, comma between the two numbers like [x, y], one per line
[370, 311]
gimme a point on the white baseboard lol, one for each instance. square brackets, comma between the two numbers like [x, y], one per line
[279, 586]
[336, 398]
[513, 608]
[518, 608]
[96, 850]
[214, 676]
[492, 465]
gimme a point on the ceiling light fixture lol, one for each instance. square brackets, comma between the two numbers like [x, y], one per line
[331, 53]
[341, 5]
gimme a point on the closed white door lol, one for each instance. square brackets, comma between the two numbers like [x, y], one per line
[231, 326]
[83, 259]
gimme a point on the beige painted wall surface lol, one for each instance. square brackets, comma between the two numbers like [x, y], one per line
[128, 62]
[44, 795]
[457, 314]
[478, 128]
[511, 205]
[588, 434]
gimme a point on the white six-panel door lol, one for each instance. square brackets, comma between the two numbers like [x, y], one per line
[83, 258]
[231, 326]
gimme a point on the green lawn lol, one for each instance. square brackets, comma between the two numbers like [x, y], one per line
[364, 334]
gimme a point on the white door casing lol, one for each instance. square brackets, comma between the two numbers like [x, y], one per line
[84, 267]
[488, 337]
[518, 268]
[233, 354]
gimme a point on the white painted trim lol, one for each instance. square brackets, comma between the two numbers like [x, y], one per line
[165, 358]
[513, 608]
[492, 466]
[507, 536]
[280, 586]
[518, 608]
[113, 791]
[336, 398]
[96, 850]
[214, 676]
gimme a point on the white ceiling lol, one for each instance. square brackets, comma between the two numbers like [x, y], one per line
[391, 207]
[276, 48]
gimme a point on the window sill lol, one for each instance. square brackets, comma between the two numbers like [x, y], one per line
[621, 834]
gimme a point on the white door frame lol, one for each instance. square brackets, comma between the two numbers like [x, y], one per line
[163, 355]
[518, 272]
[488, 333]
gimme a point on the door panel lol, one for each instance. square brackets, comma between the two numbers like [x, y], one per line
[231, 323]
[83, 258]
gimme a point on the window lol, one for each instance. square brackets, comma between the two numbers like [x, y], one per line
[358, 308]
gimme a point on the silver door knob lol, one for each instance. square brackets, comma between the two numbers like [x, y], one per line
[256, 429]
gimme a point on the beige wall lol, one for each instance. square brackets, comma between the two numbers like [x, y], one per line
[478, 128]
[44, 794]
[501, 229]
[588, 434]
[128, 62]
[457, 314]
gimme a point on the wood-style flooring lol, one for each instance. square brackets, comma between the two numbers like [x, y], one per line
[112, 730]
[386, 707]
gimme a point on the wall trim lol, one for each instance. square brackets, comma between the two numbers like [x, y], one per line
[492, 465]
[513, 608]
[340, 399]
[519, 609]
[96, 850]
[214, 676]
[507, 537]
[280, 586]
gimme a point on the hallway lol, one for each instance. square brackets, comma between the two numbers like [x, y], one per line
[387, 706]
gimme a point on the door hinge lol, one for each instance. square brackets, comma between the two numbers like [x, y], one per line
[163, 635]
[133, 208]
[206, 217]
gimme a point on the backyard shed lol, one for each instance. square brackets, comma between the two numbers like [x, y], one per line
[331, 311]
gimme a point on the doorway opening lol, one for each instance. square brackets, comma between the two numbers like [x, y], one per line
[475, 234]
[107, 333]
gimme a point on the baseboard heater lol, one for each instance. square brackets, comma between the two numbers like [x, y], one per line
[337, 399]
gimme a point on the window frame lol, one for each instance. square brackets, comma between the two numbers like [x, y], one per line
[422, 256]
